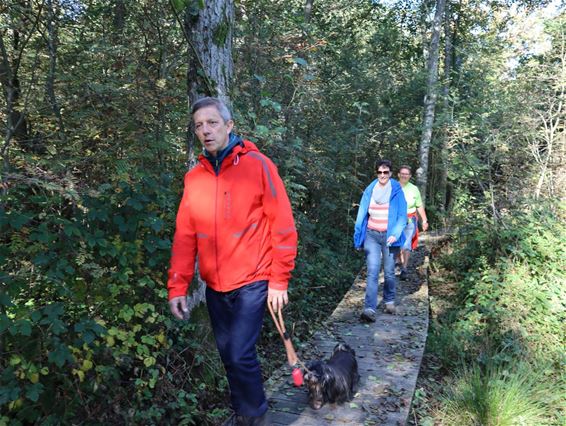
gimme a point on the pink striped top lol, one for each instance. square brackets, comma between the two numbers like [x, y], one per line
[378, 216]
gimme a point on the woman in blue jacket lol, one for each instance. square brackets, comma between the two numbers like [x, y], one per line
[382, 216]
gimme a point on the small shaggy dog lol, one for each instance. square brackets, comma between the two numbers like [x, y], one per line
[334, 380]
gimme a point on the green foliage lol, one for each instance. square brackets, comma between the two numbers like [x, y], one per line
[509, 314]
[220, 33]
[192, 6]
[83, 309]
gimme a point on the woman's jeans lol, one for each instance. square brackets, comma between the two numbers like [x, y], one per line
[376, 249]
[236, 319]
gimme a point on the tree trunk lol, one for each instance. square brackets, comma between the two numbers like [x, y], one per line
[308, 10]
[430, 99]
[120, 13]
[52, 42]
[447, 112]
[210, 60]
[16, 124]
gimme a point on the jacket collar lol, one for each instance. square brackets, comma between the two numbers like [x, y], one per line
[216, 161]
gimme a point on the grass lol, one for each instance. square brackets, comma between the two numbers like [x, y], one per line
[495, 397]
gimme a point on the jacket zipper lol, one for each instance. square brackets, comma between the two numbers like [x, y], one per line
[216, 229]
[217, 176]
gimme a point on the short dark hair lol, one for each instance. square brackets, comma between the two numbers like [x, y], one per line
[385, 163]
[404, 166]
[216, 103]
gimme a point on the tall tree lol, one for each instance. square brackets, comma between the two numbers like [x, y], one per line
[24, 21]
[430, 97]
[449, 39]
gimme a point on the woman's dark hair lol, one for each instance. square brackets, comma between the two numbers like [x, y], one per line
[385, 163]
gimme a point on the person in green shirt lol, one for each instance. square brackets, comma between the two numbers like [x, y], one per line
[414, 206]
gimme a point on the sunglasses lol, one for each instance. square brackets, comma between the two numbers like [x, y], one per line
[383, 172]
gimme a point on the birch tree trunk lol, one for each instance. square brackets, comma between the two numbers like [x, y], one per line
[430, 99]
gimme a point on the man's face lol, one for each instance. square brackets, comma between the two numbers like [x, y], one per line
[211, 129]
[404, 176]
[383, 174]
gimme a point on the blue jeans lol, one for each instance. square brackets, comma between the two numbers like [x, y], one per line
[376, 249]
[236, 319]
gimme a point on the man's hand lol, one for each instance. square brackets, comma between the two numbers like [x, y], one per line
[391, 240]
[277, 298]
[178, 306]
[425, 226]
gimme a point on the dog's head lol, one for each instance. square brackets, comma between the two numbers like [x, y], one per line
[315, 382]
[343, 347]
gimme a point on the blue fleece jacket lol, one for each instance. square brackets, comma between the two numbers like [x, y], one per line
[396, 219]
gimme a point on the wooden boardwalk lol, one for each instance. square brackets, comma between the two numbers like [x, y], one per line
[389, 354]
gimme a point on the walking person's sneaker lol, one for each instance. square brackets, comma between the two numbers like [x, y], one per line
[368, 315]
[403, 275]
[389, 308]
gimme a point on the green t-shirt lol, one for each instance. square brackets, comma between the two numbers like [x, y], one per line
[413, 197]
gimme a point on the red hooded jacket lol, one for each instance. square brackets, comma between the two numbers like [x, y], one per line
[239, 222]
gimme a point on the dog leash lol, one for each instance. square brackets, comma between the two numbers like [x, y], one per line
[292, 357]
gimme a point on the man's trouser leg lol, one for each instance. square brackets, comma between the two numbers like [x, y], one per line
[236, 319]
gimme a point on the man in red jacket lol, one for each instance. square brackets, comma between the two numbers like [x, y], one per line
[236, 215]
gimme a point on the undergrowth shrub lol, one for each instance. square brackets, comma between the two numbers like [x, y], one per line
[510, 304]
[85, 331]
[511, 296]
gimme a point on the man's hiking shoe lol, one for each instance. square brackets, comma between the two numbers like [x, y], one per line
[390, 308]
[368, 315]
[237, 420]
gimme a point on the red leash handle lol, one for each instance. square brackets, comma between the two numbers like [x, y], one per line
[292, 357]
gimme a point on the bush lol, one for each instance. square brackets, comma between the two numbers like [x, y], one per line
[84, 327]
[508, 312]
